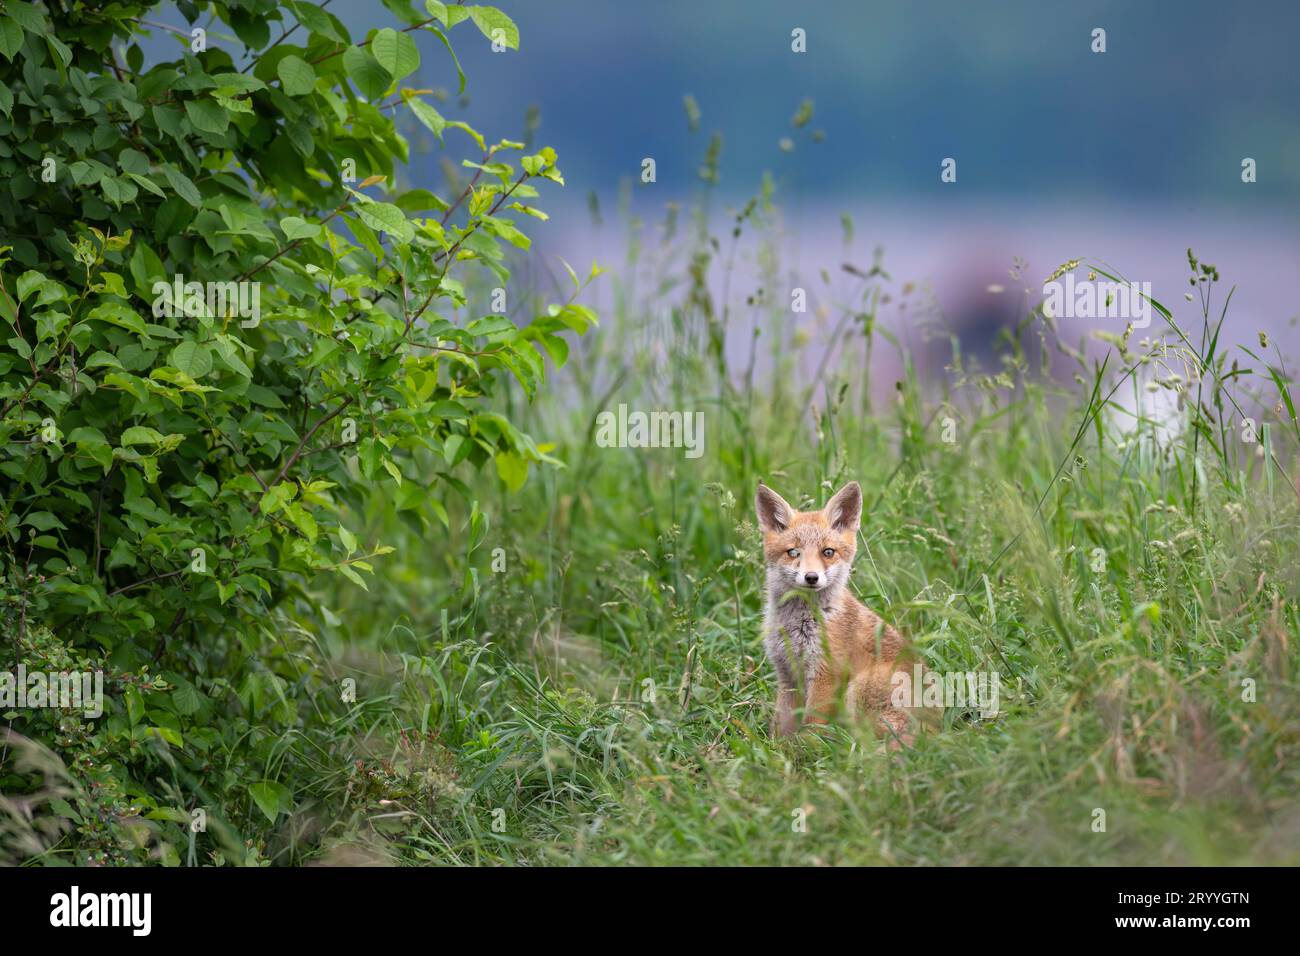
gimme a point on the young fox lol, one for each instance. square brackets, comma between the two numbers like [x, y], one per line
[809, 556]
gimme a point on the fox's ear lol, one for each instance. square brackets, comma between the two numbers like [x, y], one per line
[774, 512]
[844, 510]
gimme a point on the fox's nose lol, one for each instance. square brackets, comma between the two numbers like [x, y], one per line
[811, 577]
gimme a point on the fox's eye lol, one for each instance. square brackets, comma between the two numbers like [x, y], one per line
[793, 552]
[828, 553]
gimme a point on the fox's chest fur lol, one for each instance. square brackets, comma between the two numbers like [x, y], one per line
[793, 636]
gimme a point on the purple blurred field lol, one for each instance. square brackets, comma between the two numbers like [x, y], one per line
[960, 256]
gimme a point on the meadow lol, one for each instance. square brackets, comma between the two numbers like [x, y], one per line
[578, 678]
[369, 577]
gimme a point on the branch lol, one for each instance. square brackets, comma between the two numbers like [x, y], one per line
[162, 638]
[30, 385]
[281, 37]
[472, 183]
[297, 452]
[450, 254]
[295, 243]
[150, 580]
[364, 43]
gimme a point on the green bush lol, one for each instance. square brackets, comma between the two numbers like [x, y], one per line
[181, 458]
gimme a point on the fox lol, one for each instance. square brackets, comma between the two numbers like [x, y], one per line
[850, 669]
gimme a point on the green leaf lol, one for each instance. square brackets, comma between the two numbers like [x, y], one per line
[171, 121]
[450, 50]
[385, 216]
[295, 227]
[232, 84]
[556, 347]
[191, 358]
[148, 184]
[118, 190]
[86, 435]
[11, 37]
[297, 77]
[92, 442]
[62, 56]
[352, 576]
[452, 410]
[28, 282]
[316, 20]
[207, 115]
[169, 734]
[134, 705]
[140, 435]
[43, 521]
[427, 115]
[470, 131]
[271, 798]
[396, 53]
[537, 163]
[184, 187]
[302, 520]
[277, 497]
[366, 72]
[118, 314]
[507, 231]
[403, 10]
[101, 359]
[512, 469]
[489, 20]
[229, 351]
[186, 699]
[233, 105]
[133, 161]
[491, 325]
[437, 9]
[27, 15]
[64, 809]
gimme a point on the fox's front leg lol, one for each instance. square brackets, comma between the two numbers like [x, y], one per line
[789, 696]
[823, 696]
[784, 721]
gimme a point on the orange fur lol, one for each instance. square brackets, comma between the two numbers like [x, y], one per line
[833, 656]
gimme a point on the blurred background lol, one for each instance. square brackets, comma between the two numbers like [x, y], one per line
[1129, 156]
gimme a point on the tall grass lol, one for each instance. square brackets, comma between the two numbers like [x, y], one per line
[604, 699]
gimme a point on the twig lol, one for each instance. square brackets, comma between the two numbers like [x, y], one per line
[450, 254]
[297, 452]
[99, 517]
[295, 243]
[472, 183]
[162, 638]
[150, 580]
[281, 37]
[365, 43]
